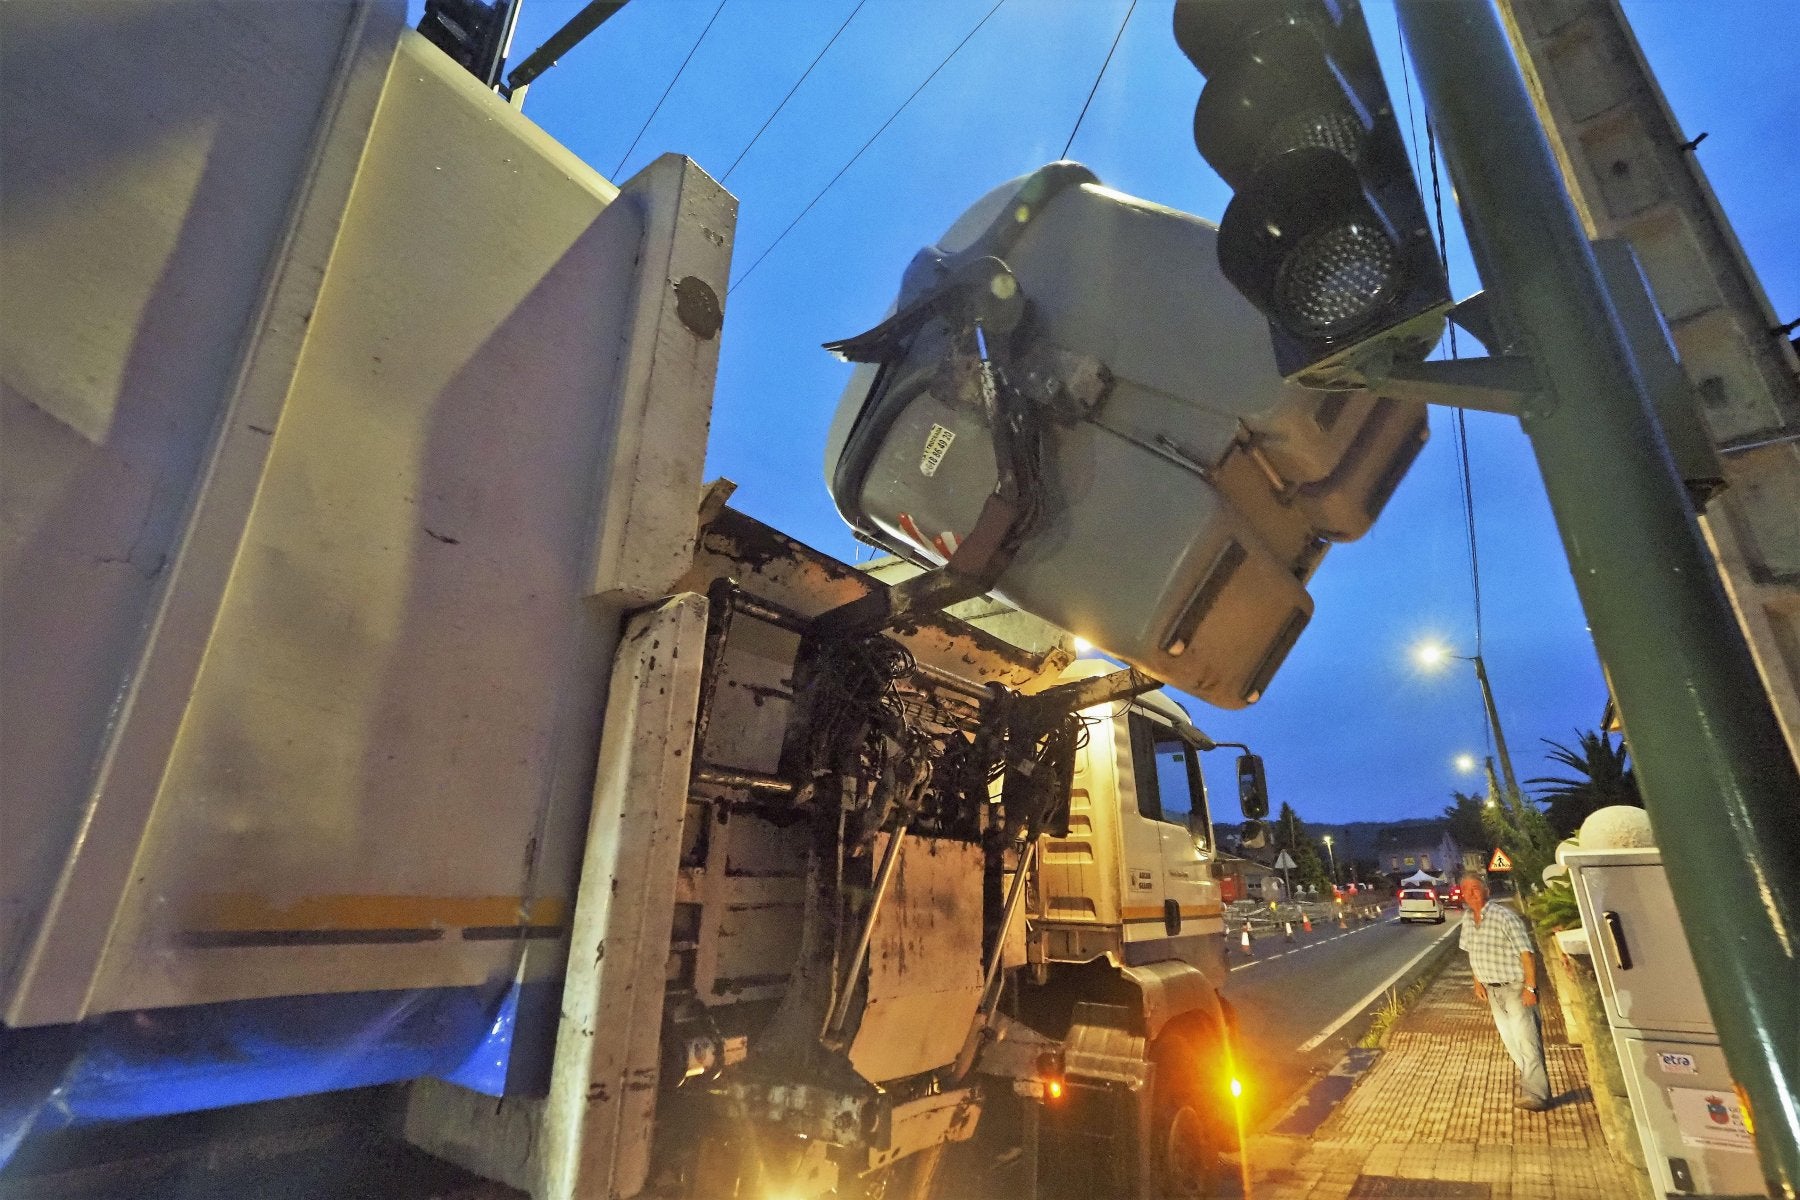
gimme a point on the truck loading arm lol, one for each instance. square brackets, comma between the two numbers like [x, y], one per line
[980, 300]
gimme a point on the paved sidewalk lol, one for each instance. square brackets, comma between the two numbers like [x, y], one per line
[1433, 1117]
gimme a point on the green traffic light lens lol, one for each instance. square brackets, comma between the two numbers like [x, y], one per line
[1336, 278]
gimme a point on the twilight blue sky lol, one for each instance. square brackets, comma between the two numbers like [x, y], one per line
[1350, 729]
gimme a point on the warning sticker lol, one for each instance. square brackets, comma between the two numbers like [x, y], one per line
[937, 444]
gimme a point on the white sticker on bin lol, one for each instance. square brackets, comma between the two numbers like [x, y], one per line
[1678, 1064]
[1710, 1118]
[937, 444]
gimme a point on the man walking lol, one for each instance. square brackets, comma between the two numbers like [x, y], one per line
[1499, 949]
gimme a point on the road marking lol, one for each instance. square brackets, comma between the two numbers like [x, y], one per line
[1310, 945]
[1350, 1014]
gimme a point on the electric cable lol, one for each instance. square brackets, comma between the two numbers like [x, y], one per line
[1462, 428]
[1412, 122]
[1102, 75]
[1465, 479]
[894, 116]
[659, 102]
[790, 95]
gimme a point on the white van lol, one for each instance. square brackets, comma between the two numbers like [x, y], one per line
[1421, 904]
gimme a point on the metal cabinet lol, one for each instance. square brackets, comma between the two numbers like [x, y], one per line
[1683, 1100]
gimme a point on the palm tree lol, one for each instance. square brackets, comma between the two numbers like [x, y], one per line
[1603, 777]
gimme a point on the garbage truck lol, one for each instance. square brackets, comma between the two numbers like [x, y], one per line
[395, 718]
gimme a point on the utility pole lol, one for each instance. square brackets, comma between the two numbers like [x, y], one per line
[1715, 770]
[1635, 174]
[1514, 795]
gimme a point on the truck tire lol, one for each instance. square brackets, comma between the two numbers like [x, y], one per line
[1188, 1134]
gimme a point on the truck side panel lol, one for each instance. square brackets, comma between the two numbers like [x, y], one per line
[369, 758]
[140, 213]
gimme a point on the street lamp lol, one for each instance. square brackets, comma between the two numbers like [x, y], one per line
[1465, 763]
[1332, 854]
[1432, 655]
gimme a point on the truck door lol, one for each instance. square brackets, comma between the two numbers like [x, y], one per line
[1172, 792]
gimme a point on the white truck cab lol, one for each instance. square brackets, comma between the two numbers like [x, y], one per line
[1133, 880]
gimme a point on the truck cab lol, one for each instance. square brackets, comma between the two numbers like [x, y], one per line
[1134, 878]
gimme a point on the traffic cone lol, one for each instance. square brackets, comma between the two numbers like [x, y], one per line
[1343, 919]
[1288, 928]
[1245, 940]
[1306, 922]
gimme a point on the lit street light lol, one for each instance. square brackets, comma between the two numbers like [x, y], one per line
[1333, 856]
[1465, 763]
[1431, 655]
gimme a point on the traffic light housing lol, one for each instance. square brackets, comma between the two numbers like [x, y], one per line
[1326, 233]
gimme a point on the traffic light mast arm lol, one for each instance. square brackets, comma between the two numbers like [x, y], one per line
[1506, 384]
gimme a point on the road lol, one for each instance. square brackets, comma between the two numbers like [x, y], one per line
[1299, 1004]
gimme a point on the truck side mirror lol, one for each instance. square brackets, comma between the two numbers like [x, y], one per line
[1253, 787]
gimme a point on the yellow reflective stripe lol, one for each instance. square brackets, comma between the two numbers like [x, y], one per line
[1187, 911]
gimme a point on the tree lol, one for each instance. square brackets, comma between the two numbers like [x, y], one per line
[1519, 827]
[1290, 835]
[1466, 826]
[1603, 777]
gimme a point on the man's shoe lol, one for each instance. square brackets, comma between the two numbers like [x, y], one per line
[1531, 1104]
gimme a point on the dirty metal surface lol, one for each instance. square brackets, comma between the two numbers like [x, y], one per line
[925, 964]
[780, 569]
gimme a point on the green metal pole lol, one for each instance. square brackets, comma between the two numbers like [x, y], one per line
[1717, 778]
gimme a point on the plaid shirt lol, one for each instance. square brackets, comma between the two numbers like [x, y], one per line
[1495, 943]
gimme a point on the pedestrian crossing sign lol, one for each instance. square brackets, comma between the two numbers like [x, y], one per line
[1499, 862]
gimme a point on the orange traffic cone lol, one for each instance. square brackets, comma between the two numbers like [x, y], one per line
[1245, 941]
[1306, 922]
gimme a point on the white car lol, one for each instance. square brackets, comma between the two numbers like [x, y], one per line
[1421, 904]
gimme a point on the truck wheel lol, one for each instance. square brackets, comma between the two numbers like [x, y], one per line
[1189, 1161]
[1188, 1137]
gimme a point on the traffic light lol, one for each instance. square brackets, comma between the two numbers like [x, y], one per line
[1326, 233]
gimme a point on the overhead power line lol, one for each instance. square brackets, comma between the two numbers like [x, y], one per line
[790, 95]
[1465, 483]
[892, 117]
[1462, 426]
[659, 102]
[1102, 75]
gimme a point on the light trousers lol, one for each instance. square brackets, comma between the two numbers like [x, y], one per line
[1522, 1036]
